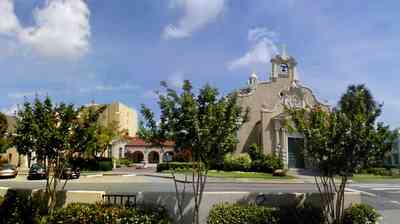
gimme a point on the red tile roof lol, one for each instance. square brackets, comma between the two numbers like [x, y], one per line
[136, 141]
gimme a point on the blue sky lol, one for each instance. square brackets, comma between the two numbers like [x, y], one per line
[78, 51]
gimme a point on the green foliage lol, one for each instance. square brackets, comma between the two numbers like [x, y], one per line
[255, 152]
[123, 162]
[4, 137]
[205, 123]
[267, 164]
[105, 165]
[360, 214]
[54, 133]
[236, 213]
[20, 207]
[237, 162]
[380, 171]
[242, 214]
[178, 166]
[343, 140]
[305, 214]
[79, 213]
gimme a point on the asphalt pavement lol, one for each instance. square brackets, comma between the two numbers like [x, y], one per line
[383, 196]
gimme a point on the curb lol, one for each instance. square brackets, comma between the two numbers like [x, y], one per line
[231, 182]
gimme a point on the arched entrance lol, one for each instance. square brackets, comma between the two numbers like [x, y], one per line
[136, 156]
[153, 157]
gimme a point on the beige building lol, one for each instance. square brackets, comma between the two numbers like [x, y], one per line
[267, 101]
[125, 117]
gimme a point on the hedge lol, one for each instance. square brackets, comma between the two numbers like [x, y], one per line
[80, 213]
[242, 214]
[381, 171]
[267, 164]
[237, 162]
[174, 166]
[360, 214]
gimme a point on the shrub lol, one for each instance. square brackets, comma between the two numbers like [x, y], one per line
[238, 162]
[255, 152]
[267, 164]
[174, 166]
[105, 165]
[360, 214]
[20, 207]
[238, 214]
[306, 214]
[79, 213]
[123, 162]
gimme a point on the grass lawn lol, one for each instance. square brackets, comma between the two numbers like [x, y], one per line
[372, 177]
[239, 174]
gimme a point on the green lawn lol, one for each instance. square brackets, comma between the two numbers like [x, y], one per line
[238, 174]
[372, 177]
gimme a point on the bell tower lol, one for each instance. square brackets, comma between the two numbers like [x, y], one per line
[283, 66]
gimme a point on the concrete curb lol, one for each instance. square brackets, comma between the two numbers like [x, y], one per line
[233, 181]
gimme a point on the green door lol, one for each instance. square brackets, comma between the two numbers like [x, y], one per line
[295, 153]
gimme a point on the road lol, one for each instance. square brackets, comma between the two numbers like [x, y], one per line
[115, 184]
[383, 196]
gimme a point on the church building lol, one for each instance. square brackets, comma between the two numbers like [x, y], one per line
[266, 101]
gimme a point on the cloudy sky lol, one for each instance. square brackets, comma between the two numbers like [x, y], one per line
[78, 51]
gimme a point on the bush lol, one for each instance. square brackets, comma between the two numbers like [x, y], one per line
[255, 152]
[174, 166]
[380, 171]
[267, 164]
[105, 165]
[306, 214]
[360, 214]
[238, 162]
[123, 162]
[238, 214]
[20, 207]
[79, 213]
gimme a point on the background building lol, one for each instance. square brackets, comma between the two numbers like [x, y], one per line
[124, 116]
[137, 150]
[267, 101]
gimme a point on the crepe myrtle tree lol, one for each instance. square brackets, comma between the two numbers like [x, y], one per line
[340, 142]
[205, 123]
[53, 133]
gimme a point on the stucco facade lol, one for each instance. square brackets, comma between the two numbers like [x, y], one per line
[124, 116]
[138, 150]
[267, 101]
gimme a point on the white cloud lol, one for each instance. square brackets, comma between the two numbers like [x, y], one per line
[61, 29]
[9, 23]
[263, 48]
[196, 14]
